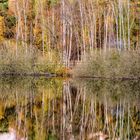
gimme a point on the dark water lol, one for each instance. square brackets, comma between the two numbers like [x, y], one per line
[66, 109]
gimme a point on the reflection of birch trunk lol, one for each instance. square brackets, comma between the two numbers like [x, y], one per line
[43, 113]
[82, 130]
[37, 122]
[53, 116]
[64, 112]
[128, 122]
[69, 100]
[93, 113]
[120, 117]
[116, 124]
[49, 108]
[67, 112]
[18, 122]
[77, 101]
[106, 117]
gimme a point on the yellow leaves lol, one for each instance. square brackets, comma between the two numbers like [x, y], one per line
[12, 6]
[86, 31]
[60, 70]
[49, 94]
[37, 31]
[1, 111]
[71, 1]
[109, 19]
[1, 28]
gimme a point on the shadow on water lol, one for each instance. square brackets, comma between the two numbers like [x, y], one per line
[75, 109]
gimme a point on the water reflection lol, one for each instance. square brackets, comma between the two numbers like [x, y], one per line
[56, 109]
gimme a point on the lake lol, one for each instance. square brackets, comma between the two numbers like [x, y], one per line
[37, 108]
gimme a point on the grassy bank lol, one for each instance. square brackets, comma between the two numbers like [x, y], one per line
[110, 64]
[29, 61]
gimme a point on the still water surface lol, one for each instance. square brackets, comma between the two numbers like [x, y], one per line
[69, 109]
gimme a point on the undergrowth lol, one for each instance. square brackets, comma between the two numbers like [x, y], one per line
[110, 64]
[29, 61]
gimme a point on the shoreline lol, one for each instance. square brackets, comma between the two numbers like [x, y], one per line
[30, 75]
[68, 75]
[109, 78]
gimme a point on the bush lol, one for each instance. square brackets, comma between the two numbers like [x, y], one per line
[110, 64]
[32, 62]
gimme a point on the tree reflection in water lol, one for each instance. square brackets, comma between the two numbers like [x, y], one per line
[40, 109]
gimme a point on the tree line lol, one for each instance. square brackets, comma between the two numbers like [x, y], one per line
[71, 27]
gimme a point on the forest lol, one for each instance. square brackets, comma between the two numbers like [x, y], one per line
[69, 69]
[84, 38]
